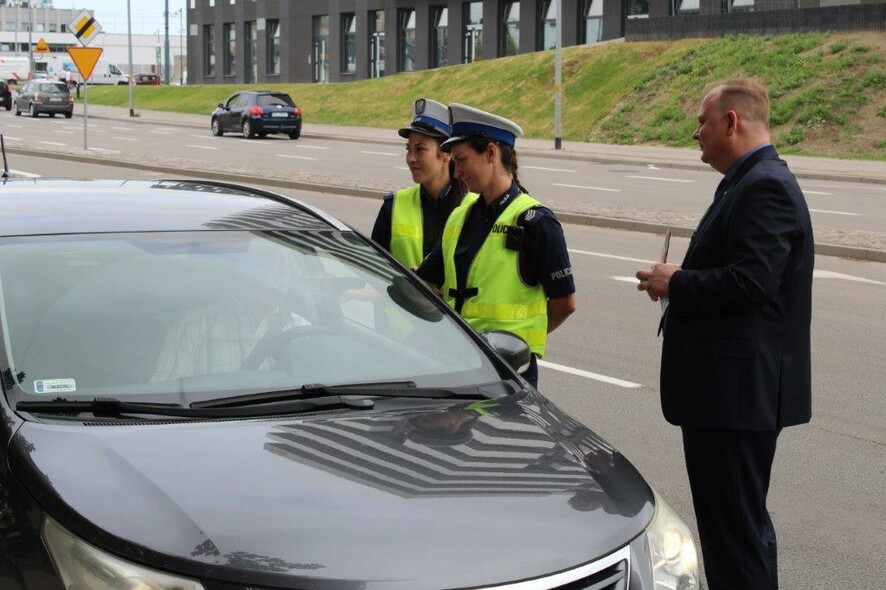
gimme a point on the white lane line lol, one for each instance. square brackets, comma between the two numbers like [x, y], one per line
[626, 279]
[25, 174]
[834, 212]
[160, 132]
[11, 137]
[63, 132]
[401, 167]
[312, 147]
[612, 256]
[14, 126]
[548, 169]
[379, 153]
[815, 193]
[201, 147]
[296, 157]
[121, 128]
[589, 375]
[124, 138]
[827, 274]
[204, 136]
[859, 186]
[590, 188]
[660, 178]
[107, 151]
[52, 143]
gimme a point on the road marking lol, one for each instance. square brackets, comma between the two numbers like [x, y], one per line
[25, 174]
[204, 136]
[612, 256]
[626, 279]
[590, 188]
[834, 212]
[107, 151]
[121, 128]
[652, 167]
[63, 132]
[379, 153]
[52, 143]
[201, 147]
[589, 375]
[401, 167]
[296, 157]
[814, 193]
[548, 169]
[311, 147]
[160, 132]
[125, 138]
[11, 137]
[859, 186]
[660, 178]
[826, 274]
[15, 126]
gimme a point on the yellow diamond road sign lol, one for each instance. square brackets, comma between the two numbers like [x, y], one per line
[85, 27]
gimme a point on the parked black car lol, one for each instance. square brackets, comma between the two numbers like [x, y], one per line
[212, 387]
[44, 96]
[256, 113]
[5, 95]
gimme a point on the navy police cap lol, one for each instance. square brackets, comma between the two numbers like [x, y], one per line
[470, 122]
[429, 117]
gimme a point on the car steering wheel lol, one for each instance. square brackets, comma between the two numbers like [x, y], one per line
[279, 347]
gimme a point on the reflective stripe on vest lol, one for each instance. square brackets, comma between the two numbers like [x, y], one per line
[407, 232]
[503, 301]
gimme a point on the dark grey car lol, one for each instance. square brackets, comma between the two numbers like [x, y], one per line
[211, 387]
[44, 96]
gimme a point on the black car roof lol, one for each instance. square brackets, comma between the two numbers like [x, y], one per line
[39, 206]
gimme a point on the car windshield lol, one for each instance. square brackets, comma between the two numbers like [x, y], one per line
[266, 100]
[164, 315]
[51, 87]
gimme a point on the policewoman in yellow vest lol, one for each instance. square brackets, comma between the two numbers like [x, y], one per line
[411, 220]
[502, 262]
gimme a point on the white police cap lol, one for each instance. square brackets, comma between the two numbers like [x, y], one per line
[470, 122]
[429, 117]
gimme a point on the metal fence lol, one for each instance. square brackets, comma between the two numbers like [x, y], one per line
[856, 17]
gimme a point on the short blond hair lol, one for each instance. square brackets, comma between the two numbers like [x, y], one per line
[746, 96]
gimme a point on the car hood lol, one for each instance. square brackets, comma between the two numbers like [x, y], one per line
[455, 496]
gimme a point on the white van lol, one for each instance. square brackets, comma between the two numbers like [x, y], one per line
[14, 68]
[103, 73]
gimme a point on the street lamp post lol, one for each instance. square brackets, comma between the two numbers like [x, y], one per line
[131, 78]
[166, 42]
[558, 80]
[180, 13]
[30, 45]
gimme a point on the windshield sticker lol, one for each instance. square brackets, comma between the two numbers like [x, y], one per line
[54, 386]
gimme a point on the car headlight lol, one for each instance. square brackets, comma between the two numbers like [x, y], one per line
[82, 566]
[671, 550]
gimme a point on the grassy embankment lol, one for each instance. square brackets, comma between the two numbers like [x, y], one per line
[828, 91]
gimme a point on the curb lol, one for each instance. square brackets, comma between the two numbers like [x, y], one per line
[836, 250]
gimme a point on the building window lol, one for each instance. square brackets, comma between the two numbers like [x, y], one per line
[53, 28]
[685, 7]
[439, 36]
[320, 57]
[251, 37]
[376, 43]
[230, 37]
[208, 50]
[593, 21]
[547, 37]
[638, 8]
[742, 6]
[273, 47]
[349, 43]
[510, 29]
[473, 31]
[63, 29]
[407, 40]
[9, 26]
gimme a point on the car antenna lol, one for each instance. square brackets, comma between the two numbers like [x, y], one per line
[3, 149]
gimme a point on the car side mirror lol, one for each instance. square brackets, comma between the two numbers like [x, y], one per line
[510, 347]
[221, 106]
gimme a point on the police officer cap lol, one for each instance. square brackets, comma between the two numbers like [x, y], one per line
[429, 117]
[470, 122]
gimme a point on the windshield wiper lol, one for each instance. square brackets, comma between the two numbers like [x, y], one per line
[104, 407]
[318, 390]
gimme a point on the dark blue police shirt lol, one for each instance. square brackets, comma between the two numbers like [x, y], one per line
[543, 255]
[434, 213]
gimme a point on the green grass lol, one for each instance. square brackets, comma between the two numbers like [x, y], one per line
[827, 91]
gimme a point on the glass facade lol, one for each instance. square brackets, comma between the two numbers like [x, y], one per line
[407, 40]
[473, 31]
[593, 21]
[230, 55]
[439, 35]
[208, 50]
[273, 32]
[510, 22]
[376, 43]
[547, 38]
[638, 8]
[320, 57]
[251, 34]
[349, 43]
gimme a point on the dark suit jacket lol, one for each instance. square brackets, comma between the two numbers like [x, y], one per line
[736, 351]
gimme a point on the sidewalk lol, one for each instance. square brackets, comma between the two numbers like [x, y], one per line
[863, 245]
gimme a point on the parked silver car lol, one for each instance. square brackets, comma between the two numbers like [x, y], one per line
[44, 96]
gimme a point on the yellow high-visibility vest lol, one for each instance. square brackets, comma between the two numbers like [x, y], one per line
[407, 231]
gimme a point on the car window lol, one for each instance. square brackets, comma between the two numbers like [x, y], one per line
[51, 87]
[275, 99]
[168, 314]
[245, 100]
[232, 102]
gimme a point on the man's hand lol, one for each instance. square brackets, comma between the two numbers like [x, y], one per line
[657, 281]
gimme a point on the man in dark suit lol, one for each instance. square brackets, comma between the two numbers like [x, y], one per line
[735, 365]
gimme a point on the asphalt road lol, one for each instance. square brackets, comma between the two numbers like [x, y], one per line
[675, 196]
[827, 496]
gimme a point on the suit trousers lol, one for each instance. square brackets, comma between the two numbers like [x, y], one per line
[729, 477]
